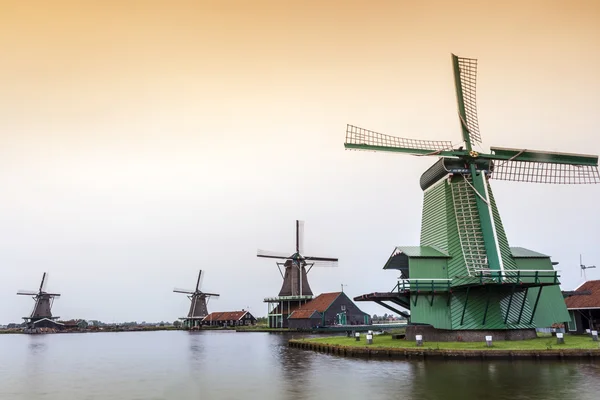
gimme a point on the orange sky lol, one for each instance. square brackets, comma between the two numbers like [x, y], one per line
[156, 123]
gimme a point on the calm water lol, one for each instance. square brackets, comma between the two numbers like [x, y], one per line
[229, 365]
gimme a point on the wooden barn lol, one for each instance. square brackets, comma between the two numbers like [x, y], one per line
[327, 309]
[584, 307]
[229, 318]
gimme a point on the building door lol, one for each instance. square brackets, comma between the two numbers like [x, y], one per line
[342, 318]
[572, 321]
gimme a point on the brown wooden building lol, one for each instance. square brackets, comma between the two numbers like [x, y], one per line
[584, 309]
[229, 318]
[328, 309]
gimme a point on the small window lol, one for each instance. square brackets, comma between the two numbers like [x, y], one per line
[343, 308]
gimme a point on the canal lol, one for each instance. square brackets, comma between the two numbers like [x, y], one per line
[229, 365]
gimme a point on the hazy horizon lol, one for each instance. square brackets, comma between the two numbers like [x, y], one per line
[143, 141]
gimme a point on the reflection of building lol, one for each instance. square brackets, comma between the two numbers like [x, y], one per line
[325, 310]
[229, 318]
[584, 309]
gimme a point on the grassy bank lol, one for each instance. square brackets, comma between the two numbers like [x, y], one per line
[386, 342]
[259, 328]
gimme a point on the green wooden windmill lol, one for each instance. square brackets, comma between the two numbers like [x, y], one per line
[464, 276]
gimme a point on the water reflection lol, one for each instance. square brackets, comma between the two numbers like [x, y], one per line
[37, 344]
[35, 364]
[196, 348]
[295, 367]
[500, 380]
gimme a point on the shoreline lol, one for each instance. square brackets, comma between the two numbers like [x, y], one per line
[150, 329]
[421, 353]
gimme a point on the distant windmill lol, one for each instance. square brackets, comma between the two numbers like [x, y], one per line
[295, 290]
[43, 302]
[583, 268]
[198, 306]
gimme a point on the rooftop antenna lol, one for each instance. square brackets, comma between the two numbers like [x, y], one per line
[583, 268]
[342, 285]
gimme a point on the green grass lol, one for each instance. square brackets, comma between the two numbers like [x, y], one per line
[540, 343]
[259, 328]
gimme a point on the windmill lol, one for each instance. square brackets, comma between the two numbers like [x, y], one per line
[294, 270]
[198, 306]
[470, 279]
[583, 267]
[42, 309]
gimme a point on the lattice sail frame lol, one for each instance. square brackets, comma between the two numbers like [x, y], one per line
[357, 135]
[541, 172]
[468, 83]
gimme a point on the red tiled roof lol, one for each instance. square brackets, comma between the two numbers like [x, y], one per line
[322, 302]
[586, 301]
[304, 314]
[225, 316]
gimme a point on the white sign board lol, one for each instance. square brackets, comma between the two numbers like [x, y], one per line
[488, 338]
[559, 335]
[419, 337]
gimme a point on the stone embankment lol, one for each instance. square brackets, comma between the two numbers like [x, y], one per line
[429, 353]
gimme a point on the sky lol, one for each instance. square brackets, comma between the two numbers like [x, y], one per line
[141, 141]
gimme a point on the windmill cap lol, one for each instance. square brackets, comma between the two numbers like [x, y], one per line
[444, 166]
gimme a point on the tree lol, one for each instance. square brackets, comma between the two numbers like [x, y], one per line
[177, 323]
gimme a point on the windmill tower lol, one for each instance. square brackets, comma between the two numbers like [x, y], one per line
[294, 270]
[464, 276]
[198, 306]
[42, 310]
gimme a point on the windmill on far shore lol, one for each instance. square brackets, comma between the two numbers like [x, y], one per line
[41, 316]
[295, 289]
[199, 303]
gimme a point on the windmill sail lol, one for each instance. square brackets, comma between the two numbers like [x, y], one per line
[27, 293]
[544, 167]
[272, 254]
[299, 236]
[44, 282]
[465, 79]
[364, 139]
